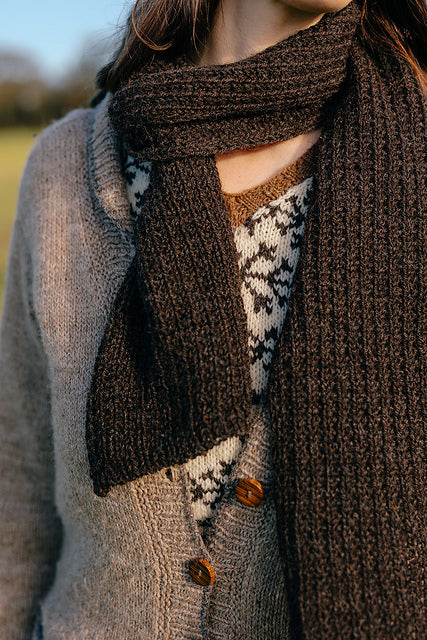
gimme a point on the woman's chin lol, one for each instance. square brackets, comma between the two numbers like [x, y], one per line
[317, 6]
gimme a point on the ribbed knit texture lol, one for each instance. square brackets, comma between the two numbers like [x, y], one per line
[173, 375]
[347, 388]
[348, 378]
[268, 223]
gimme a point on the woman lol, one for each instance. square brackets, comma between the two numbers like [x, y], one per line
[188, 450]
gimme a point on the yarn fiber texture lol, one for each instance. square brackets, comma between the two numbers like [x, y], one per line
[178, 329]
[347, 386]
[268, 224]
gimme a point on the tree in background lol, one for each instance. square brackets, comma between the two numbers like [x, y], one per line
[27, 98]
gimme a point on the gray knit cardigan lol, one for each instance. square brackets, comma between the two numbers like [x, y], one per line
[118, 566]
[55, 310]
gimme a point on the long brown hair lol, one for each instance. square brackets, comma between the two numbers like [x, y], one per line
[172, 27]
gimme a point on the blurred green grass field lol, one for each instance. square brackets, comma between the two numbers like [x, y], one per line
[15, 145]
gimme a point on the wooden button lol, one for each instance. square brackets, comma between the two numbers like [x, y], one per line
[249, 492]
[201, 572]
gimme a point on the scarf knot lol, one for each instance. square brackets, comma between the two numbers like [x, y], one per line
[172, 112]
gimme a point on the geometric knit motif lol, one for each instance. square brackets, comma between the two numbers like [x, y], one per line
[268, 246]
[137, 178]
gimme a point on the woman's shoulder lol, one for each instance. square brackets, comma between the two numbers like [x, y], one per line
[71, 146]
[73, 168]
[59, 143]
[55, 161]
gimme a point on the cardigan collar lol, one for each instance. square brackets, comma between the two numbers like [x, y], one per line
[107, 185]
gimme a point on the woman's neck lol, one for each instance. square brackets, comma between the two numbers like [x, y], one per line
[245, 27]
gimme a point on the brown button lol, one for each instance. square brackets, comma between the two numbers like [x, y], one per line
[201, 572]
[249, 492]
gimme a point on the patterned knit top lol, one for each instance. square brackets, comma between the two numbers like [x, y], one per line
[268, 223]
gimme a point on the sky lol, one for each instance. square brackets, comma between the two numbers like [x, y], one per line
[56, 32]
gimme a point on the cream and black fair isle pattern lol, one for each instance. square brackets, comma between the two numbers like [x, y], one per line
[268, 247]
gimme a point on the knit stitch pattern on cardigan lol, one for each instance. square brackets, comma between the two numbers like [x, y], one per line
[114, 567]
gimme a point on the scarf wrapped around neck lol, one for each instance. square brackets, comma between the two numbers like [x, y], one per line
[347, 387]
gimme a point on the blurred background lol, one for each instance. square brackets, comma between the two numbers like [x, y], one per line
[49, 54]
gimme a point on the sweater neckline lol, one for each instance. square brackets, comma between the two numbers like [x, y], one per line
[108, 189]
[241, 205]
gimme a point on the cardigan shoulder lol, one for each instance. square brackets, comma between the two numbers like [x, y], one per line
[59, 143]
[57, 159]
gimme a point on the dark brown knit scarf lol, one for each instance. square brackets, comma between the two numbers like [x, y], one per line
[347, 390]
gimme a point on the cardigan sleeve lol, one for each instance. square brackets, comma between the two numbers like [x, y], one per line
[30, 531]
